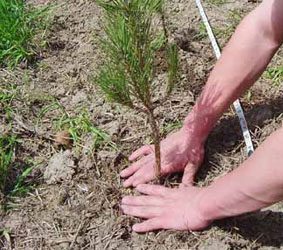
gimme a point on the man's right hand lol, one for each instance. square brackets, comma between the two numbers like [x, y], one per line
[180, 151]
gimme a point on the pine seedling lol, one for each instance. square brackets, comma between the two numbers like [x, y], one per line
[130, 47]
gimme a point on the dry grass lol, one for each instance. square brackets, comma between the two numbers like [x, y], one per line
[83, 213]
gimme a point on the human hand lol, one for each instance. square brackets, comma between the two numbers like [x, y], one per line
[180, 151]
[166, 208]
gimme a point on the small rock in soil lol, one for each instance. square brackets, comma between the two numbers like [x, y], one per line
[61, 167]
[112, 128]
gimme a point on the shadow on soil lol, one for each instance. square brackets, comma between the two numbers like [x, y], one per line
[265, 227]
[227, 135]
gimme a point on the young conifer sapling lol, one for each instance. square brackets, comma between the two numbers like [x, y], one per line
[131, 46]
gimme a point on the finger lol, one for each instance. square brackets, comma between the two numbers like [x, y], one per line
[142, 200]
[144, 150]
[152, 189]
[148, 225]
[129, 182]
[189, 174]
[136, 179]
[138, 176]
[144, 173]
[129, 170]
[143, 176]
[145, 212]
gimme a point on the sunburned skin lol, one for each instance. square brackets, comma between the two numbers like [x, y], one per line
[179, 151]
[246, 56]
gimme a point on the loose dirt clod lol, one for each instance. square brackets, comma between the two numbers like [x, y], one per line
[61, 167]
[63, 138]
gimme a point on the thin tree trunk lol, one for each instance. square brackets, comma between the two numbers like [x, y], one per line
[156, 142]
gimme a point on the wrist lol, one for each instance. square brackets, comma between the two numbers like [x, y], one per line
[216, 203]
[202, 214]
[208, 208]
[198, 126]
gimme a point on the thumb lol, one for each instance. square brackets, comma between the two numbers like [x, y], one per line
[189, 174]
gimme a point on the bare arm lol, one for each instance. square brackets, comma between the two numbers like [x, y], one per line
[244, 59]
[258, 182]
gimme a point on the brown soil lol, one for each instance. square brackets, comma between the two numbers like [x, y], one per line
[81, 209]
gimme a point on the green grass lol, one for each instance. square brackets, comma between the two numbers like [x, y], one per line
[171, 126]
[20, 187]
[7, 147]
[13, 174]
[19, 28]
[227, 29]
[5, 233]
[275, 74]
[81, 125]
[235, 17]
[7, 95]
[78, 125]
[202, 33]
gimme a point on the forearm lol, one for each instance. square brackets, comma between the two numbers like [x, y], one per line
[242, 62]
[257, 183]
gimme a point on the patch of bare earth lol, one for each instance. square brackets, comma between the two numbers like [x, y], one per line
[79, 208]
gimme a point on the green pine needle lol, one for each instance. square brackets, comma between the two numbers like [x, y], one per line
[130, 48]
[173, 64]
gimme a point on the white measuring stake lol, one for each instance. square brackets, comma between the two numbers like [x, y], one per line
[236, 104]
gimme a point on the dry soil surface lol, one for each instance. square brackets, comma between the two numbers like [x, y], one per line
[75, 203]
